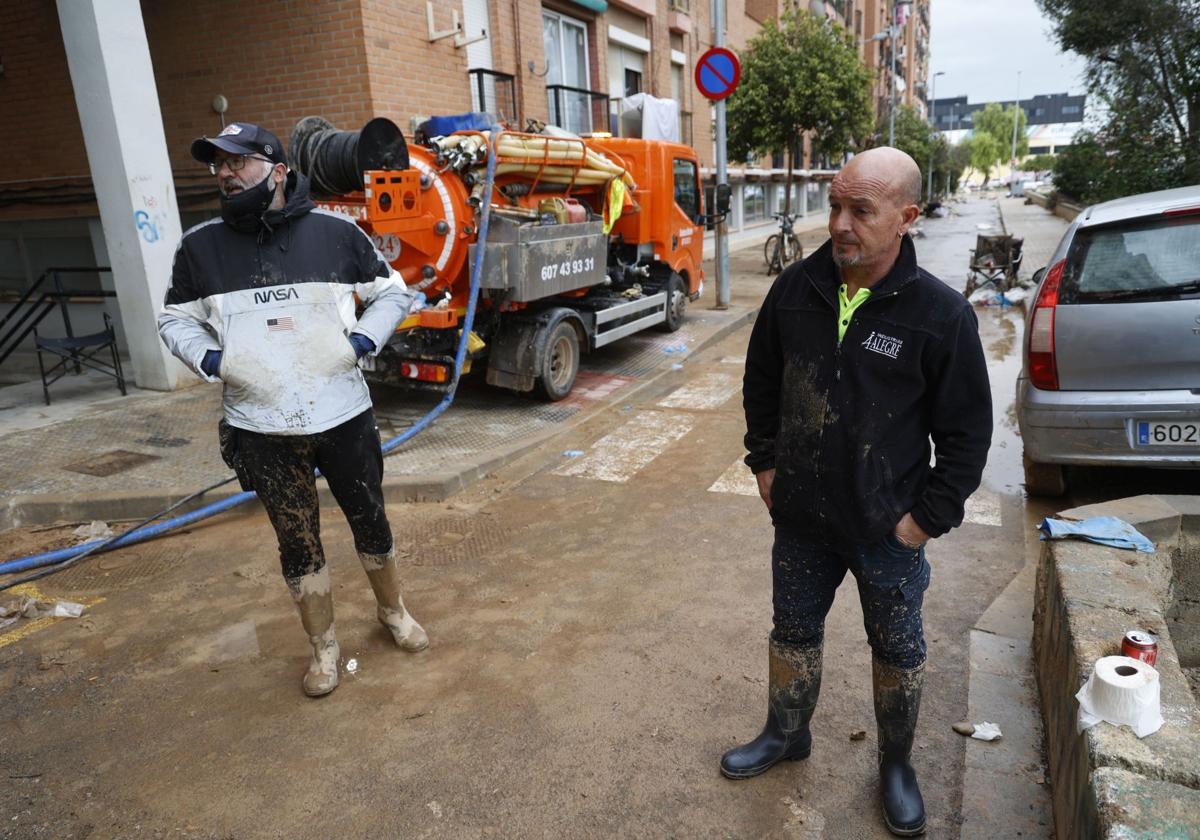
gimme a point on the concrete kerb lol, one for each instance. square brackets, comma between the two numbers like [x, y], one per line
[1107, 782]
[24, 511]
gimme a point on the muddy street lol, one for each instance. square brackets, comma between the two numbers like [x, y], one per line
[598, 613]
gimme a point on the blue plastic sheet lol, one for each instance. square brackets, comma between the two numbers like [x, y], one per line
[1103, 530]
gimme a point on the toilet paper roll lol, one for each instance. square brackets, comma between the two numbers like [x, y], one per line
[1122, 691]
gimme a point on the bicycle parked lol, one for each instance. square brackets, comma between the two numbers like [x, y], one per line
[783, 248]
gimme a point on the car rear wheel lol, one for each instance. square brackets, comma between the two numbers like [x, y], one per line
[1044, 479]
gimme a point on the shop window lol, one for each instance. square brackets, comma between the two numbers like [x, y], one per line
[754, 203]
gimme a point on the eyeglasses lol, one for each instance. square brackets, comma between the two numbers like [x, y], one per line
[234, 162]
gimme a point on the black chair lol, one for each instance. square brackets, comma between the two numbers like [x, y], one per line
[75, 351]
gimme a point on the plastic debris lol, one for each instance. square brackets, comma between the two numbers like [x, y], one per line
[986, 732]
[1016, 296]
[677, 366]
[572, 453]
[1102, 530]
[31, 608]
[979, 731]
[675, 348]
[67, 609]
[351, 666]
[94, 530]
[991, 297]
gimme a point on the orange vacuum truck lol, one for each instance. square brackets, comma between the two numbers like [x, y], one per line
[590, 239]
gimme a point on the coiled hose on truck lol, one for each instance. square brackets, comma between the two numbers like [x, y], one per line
[50, 562]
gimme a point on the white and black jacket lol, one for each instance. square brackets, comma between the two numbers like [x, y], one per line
[279, 305]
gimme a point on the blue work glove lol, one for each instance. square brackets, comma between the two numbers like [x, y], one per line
[362, 345]
[418, 302]
[211, 363]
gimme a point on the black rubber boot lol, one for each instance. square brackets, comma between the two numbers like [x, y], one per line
[897, 704]
[794, 683]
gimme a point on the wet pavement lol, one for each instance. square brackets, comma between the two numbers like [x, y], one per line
[598, 611]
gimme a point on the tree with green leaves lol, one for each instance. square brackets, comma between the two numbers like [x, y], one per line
[1080, 167]
[912, 136]
[1039, 163]
[997, 123]
[800, 75]
[985, 151]
[1143, 65]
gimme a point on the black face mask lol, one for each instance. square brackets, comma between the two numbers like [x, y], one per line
[244, 211]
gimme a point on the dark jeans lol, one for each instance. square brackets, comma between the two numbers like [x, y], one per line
[350, 458]
[892, 580]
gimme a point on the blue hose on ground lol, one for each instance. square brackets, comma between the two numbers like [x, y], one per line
[139, 533]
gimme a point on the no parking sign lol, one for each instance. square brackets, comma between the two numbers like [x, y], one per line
[717, 73]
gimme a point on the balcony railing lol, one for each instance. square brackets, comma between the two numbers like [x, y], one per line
[494, 93]
[577, 109]
[683, 6]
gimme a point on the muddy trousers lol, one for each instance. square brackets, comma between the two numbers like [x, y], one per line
[351, 460]
[892, 580]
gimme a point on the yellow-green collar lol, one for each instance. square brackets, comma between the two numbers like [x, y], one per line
[846, 308]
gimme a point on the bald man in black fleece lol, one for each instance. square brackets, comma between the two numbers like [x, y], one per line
[857, 360]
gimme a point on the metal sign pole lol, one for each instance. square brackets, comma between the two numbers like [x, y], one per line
[722, 250]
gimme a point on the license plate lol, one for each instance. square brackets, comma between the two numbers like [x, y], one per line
[1167, 434]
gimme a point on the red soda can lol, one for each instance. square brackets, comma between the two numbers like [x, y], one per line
[1139, 644]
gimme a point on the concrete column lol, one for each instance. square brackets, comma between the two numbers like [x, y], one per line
[109, 61]
[111, 305]
[804, 196]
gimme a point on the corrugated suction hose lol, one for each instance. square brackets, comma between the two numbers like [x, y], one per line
[335, 160]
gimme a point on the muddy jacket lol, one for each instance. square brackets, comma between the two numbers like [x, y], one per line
[847, 428]
[279, 305]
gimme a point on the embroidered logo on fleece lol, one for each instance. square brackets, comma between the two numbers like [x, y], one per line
[884, 345]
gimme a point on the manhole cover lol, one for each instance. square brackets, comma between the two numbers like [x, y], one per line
[451, 539]
[111, 463]
[123, 567]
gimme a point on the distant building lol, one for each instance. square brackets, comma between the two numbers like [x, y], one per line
[1051, 120]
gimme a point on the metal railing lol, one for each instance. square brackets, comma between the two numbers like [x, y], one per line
[27, 313]
[494, 93]
[576, 109]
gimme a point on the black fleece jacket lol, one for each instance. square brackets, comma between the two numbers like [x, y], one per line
[847, 428]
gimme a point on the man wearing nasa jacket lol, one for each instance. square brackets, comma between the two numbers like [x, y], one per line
[263, 300]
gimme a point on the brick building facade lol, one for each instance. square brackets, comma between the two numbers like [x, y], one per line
[348, 61]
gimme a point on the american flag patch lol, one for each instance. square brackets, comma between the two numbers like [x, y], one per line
[280, 324]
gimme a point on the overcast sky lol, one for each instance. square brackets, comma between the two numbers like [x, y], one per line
[981, 46]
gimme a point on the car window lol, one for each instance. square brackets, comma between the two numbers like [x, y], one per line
[1145, 254]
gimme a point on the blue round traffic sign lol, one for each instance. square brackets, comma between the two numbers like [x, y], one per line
[718, 72]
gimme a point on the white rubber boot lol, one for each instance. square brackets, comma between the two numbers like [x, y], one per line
[314, 599]
[384, 574]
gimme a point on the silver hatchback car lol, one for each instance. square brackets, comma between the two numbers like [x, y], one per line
[1111, 372]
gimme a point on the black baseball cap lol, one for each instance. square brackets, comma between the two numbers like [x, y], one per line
[240, 138]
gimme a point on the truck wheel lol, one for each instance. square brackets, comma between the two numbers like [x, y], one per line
[676, 303]
[559, 363]
[1044, 479]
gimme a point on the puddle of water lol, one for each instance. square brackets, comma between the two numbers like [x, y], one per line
[1001, 331]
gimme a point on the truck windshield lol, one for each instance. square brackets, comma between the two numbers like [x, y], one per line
[1142, 258]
